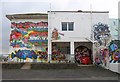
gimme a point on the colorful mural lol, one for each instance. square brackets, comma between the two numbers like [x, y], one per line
[83, 55]
[56, 34]
[103, 37]
[102, 57]
[57, 55]
[34, 55]
[114, 53]
[28, 34]
[108, 55]
[102, 33]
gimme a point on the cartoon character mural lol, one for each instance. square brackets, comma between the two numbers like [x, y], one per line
[28, 34]
[103, 37]
[114, 53]
[101, 33]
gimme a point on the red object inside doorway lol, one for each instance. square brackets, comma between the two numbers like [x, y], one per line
[85, 60]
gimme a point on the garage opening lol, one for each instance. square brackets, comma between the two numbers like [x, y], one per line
[83, 53]
[60, 51]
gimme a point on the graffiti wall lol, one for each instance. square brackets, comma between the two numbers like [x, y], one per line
[102, 57]
[28, 34]
[83, 55]
[102, 37]
[114, 50]
[101, 33]
[57, 55]
[29, 55]
[56, 35]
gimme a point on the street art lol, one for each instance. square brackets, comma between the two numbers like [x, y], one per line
[102, 57]
[83, 55]
[57, 55]
[102, 33]
[28, 34]
[27, 55]
[56, 34]
[102, 36]
[97, 58]
[114, 53]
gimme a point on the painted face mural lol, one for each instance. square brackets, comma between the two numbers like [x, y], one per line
[28, 34]
[101, 33]
[114, 53]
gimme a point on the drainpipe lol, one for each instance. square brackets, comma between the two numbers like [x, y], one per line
[92, 31]
[49, 36]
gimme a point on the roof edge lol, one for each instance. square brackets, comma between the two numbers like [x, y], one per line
[80, 11]
[27, 15]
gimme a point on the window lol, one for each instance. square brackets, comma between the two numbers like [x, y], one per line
[64, 26]
[67, 26]
[70, 26]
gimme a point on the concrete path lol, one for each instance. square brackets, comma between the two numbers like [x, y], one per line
[26, 66]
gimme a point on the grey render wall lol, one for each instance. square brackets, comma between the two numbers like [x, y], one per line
[119, 20]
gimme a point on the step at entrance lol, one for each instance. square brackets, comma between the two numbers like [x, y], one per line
[26, 66]
[85, 65]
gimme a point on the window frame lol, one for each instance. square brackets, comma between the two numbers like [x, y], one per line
[68, 26]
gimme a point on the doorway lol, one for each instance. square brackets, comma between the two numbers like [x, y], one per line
[83, 53]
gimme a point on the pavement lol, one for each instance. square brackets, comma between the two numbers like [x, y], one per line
[83, 73]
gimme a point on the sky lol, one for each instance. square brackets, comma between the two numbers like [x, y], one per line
[32, 6]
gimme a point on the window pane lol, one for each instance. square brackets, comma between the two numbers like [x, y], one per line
[70, 26]
[64, 26]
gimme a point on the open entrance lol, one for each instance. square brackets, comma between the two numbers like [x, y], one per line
[83, 53]
[60, 51]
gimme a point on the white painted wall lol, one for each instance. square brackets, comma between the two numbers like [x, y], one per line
[82, 23]
[113, 28]
[115, 67]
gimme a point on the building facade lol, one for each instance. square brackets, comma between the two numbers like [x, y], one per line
[59, 36]
[115, 45]
[29, 37]
[113, 24]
